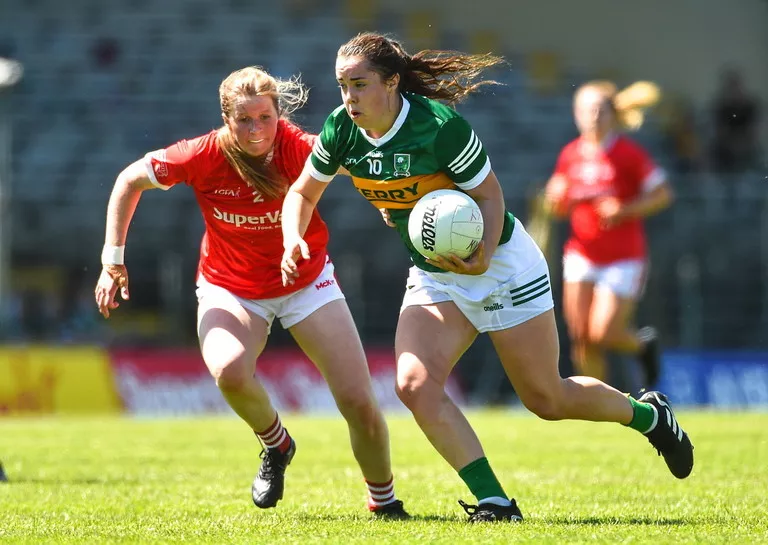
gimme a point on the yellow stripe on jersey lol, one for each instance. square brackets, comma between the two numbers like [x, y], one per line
[401, 193]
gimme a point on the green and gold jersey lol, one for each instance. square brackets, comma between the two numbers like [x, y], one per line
[429, 147]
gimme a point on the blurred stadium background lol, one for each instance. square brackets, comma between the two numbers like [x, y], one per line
[105, 82]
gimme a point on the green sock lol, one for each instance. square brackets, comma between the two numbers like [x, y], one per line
[643, 416]
[481, 480]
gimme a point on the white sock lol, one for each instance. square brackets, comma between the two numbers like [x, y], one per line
[495, 500]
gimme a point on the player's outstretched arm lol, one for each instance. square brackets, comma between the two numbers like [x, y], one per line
[613, 212]
[651, 202]
[299, 203]
[131, 182]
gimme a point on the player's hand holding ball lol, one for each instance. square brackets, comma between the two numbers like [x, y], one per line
[475, 264]
[446, 227]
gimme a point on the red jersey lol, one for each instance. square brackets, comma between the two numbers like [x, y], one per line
[243, 242]
[619, 168]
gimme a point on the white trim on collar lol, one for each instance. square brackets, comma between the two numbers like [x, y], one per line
[390, 134]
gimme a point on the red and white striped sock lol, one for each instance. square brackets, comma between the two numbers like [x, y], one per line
[275, 436]
[380, 494]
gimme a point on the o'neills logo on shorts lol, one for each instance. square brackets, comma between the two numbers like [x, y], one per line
[270, 218]
[428, 229]
[325, 284]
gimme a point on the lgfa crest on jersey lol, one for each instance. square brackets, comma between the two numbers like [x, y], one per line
[402, 164]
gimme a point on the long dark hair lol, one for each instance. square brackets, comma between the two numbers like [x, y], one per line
[287, 96]
[449, 76]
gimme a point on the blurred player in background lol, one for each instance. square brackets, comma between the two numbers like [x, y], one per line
[399, 143]
[240, 174]
[606, 184]
[3, 476]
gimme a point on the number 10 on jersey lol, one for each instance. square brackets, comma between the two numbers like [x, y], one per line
[374, 166]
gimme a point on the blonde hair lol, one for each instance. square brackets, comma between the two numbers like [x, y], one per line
[630, 103]
[287, 96]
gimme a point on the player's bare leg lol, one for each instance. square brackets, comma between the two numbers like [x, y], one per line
[609, 322]
[422, 371]
[329, 338]
[231, 339]
[529, 353]
[610, 327]
[588, 358]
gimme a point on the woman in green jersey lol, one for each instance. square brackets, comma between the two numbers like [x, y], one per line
[399, 143]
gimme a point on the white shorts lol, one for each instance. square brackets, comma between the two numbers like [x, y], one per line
[514, 289]
[289, 309]
[624, 278]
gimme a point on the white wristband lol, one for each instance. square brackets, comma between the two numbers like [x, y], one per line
[113, 255]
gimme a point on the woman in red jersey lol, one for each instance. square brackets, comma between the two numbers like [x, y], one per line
[606, 184]
[240, 174]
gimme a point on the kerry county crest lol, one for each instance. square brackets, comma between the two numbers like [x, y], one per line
[402, 164]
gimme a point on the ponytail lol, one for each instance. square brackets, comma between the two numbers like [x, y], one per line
[630, 103]
[449, 76]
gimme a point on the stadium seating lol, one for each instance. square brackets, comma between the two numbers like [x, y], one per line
[104, 83]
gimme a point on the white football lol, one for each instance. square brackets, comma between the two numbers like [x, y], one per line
[445, 222]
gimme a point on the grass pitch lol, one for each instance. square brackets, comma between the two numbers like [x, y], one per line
[122, 480]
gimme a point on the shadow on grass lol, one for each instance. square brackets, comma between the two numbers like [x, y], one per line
[328, 517]
[71, 481]
[618, 521]
[564, 521]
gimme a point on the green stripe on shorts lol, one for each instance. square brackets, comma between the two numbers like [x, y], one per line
[530, 291]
